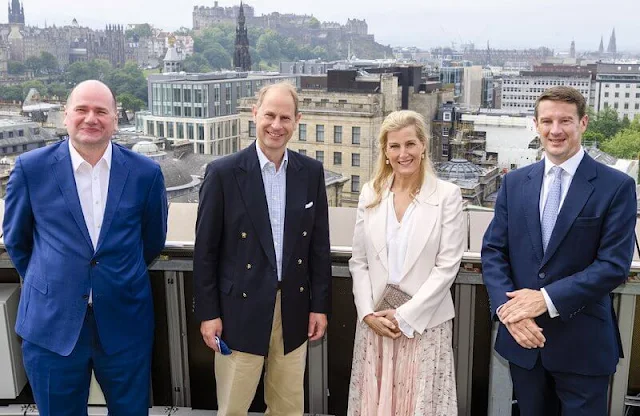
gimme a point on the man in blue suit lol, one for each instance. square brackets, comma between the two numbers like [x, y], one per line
[561, 240]
[262, 263]
[83, 220]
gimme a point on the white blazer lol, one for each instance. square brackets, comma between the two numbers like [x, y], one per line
[433, 254]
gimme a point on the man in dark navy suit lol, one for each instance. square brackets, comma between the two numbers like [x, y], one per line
[561, 240]
[262, 266]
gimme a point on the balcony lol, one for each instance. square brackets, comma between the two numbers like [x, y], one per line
[182, 374]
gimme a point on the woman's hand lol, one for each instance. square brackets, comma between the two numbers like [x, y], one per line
[384, 324]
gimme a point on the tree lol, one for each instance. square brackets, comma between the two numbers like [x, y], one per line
[217, 57]
[605, 122]
[48, 63]
[268, 46]
[58, 89]
[35, 83]
[11, 93]
[130, 102]
[196, 63]
[33, 64]
[16, 68]
[129, 79]
[314, 23]
[140, 31]
[626, 143]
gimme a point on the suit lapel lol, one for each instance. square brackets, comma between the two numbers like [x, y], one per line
[531, 200]
[425, 216]
[577, 196]
[296, 199]
[117, 178]
[377, 225]
[63, 172]
[249, 178]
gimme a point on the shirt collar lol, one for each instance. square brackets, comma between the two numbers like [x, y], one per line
[262, 158]
[77, 160]
[570, 165]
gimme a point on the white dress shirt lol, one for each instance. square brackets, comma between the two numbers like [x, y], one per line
[569, 168]
[398, 234]
[275, 189]
[92, 184]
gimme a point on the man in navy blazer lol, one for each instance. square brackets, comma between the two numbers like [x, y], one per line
[561, 240]
[262, 262]
[83, 220]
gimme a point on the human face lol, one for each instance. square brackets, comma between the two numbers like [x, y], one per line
[560, 129]
[275, 122]
[90, 116]
[404, 151]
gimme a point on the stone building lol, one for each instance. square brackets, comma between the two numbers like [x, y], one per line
[241, 56]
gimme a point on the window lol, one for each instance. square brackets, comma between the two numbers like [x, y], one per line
[187, 95]
[320, 133]
[355, 135]
[637, 106]
[170, 129]
[337, 134]
[302, 151]
[252, 129]
[187, 111]
[10, 134]
[626, 95]
[445, 132]
[302, 132]
[337, 158]
[626, 106]
[355, 183]
[320, 156]
[615, 105]
[446, 116]
[606, 94]
[617, 94]
[20, 133]
[355, 159]
[638, 95]
[1, 135]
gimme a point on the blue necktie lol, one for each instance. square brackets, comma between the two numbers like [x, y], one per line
[551, 207]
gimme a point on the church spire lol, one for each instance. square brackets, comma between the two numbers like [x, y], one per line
[241, 56]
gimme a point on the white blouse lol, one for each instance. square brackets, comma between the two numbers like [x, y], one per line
[398, 234]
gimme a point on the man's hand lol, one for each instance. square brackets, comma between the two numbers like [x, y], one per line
[317, 326]
[209, 329]
[382, 326]
[524, 303]
[527, 333]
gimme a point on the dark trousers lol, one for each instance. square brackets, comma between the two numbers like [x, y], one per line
[543, 393]
[61, 384]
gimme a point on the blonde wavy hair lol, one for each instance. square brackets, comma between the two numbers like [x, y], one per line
[395, 121]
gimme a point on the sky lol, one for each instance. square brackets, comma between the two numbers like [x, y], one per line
[421, 23]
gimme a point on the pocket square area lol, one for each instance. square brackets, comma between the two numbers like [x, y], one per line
[308, 205]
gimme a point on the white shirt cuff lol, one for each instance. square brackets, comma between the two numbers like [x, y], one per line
[406, 329]
[551, 308]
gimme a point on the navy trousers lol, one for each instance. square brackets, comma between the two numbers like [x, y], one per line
[60, 384]
[543, 393]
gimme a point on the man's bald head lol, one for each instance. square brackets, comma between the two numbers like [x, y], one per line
[92, 83]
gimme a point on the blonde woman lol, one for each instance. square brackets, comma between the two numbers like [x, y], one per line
[407, 247]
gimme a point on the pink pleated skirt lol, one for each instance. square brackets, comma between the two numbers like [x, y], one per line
[403, 377]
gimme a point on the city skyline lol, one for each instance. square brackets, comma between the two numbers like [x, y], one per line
[422, 25]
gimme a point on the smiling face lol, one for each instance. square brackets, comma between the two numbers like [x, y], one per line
[560, 129]
[90, 116]
[276, 121]
[404, 150]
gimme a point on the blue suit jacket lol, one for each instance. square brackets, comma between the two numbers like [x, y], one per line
[47, 239]
[234, 268]
[589, 254]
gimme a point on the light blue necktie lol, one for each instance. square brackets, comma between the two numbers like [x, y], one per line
[551, 207]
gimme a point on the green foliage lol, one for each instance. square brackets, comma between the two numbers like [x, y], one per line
[58, 89]
[314, 23]
[34, 83]
[141, 31]
[11, 93]
[129, 79]
[626, 143]
[196, 63]
[130, 102]
[217, 57]
[605, 124]
[45, 64]
[16, 68]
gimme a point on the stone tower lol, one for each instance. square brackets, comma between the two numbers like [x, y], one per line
[612, 42]
[16, 12]
[241, 56]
